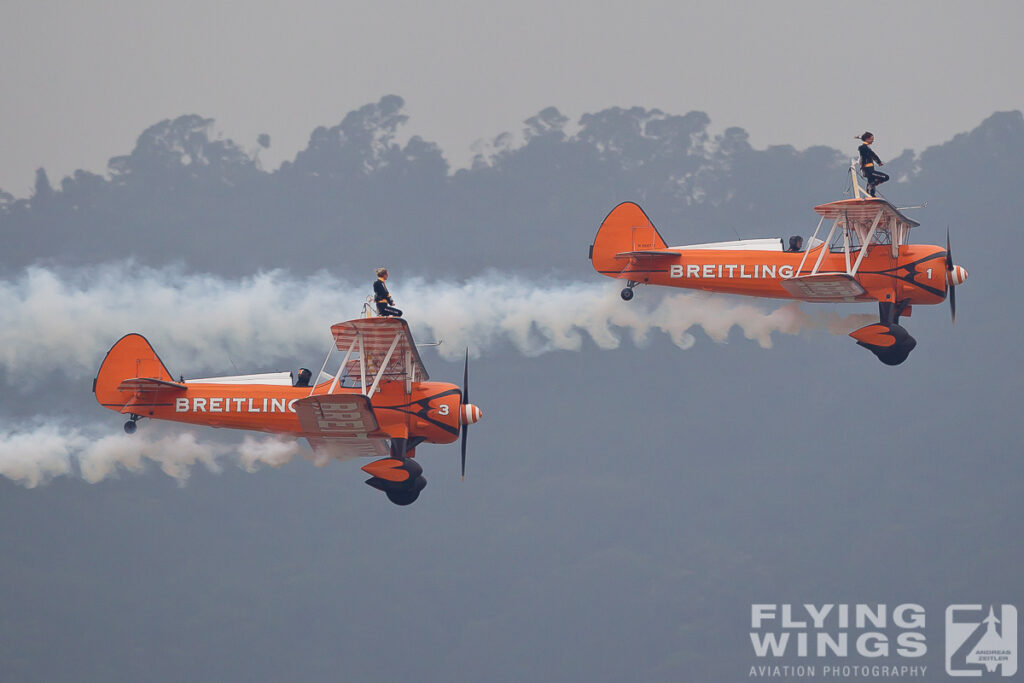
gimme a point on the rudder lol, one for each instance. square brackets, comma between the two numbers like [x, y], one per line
[626, 228]
[132, 356]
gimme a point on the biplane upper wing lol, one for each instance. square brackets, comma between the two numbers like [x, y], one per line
[865, 210]
[341, 426]
[383, 343]
[824, 287]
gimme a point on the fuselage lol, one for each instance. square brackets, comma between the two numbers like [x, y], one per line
[430, 411]
[917, 275]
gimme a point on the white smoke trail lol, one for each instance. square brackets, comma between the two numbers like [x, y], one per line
[68, 320]
[71, 318]
[32, 456]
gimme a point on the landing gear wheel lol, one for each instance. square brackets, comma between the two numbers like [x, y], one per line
[402, 497]
[130, 427]
[626, 294]
[408, 493]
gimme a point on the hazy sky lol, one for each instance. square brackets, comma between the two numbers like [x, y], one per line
[80, 81]
[623, 507]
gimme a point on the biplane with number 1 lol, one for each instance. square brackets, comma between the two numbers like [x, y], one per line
[379, 404]
[866, 256]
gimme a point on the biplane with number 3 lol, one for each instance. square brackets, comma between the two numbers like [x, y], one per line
[379, 404]
[866, 256]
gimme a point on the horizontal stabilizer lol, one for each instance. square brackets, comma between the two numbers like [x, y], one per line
[650, 255]
[836, 287]
[150, 385]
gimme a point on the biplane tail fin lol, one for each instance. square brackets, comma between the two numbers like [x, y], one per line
[130, 358]
[627, 228]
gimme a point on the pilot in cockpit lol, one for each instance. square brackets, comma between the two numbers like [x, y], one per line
[304, 377]
[796, 243]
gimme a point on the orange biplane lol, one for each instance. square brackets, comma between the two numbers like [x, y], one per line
[866, 256]
[378, 404]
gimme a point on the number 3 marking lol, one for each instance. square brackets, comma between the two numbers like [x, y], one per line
[443, 410]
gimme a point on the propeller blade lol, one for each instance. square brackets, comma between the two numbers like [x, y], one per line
[949, 252]
[952, 302]
[465, 379]
[465, 433]
[949, 277]
[465, 400]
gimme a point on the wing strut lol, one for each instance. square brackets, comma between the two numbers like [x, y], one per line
[362, 363]
[824, 247]
[858, 191]
[322, 368]
[383, 366]
[866, 243]
[809, 243]
[341, 368]
[412, 372]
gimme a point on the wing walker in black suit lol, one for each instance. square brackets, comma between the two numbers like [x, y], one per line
[382, 297]
[868, 159]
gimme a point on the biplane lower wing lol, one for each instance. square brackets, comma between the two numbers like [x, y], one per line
[341, 426]
[837, 287]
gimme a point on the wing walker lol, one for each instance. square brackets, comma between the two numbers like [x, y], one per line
[379, 404]
[865, 256]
